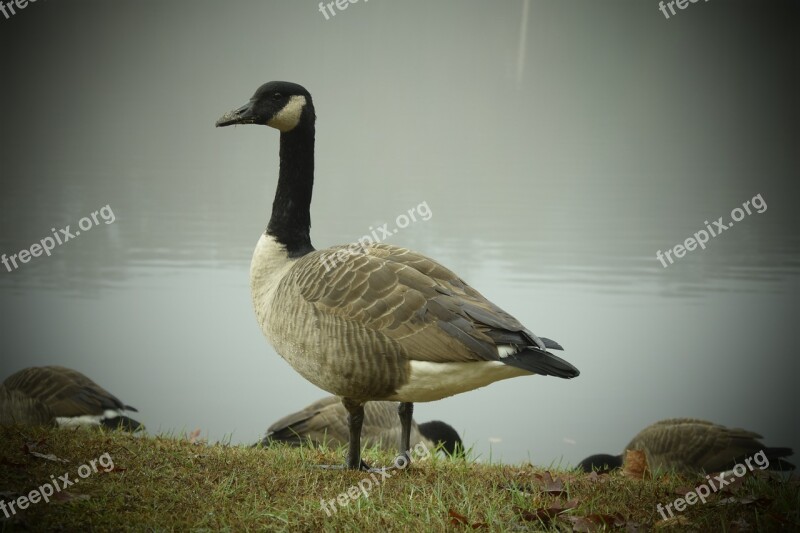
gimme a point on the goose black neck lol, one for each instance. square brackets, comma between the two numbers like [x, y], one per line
[291, 219]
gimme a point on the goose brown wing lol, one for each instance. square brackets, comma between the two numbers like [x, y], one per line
[694, 445]
[319, 421]
[18, 408]
[410, 300]
[66, 392]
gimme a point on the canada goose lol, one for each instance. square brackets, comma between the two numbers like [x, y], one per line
[54, 395]
[326, 421]
[385, 324]
[689, 445]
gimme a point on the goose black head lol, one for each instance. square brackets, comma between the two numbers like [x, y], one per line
[279, 104]
[438, 432]
[602, 462]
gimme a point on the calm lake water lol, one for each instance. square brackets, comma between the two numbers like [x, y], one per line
[555, 167]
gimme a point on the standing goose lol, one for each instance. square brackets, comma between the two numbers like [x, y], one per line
[326, 421]
[689, 445]
[385, 324]
[54, 395]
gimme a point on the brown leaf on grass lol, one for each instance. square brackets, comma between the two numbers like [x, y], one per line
[48, 457]
[734, 485]
[457, 519]
[29, 448]
[683, 490]
[550, 485]
[745, 500]
[634, 527]
[596, 521]
[635, 465]
[546, 514]
[715, 484]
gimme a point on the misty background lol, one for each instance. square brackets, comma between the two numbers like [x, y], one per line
[558, 144]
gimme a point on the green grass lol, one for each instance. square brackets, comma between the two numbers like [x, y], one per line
[170, 484]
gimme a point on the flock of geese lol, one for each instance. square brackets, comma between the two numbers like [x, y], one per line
[379, 331]
[62, 397]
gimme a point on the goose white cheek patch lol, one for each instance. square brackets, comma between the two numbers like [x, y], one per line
[288, 118]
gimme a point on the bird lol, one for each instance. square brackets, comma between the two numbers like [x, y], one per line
[386, 323]
[691, 445]
[59, 396]
[325, 421]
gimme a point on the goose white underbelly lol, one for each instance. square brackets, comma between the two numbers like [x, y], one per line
[433, 381]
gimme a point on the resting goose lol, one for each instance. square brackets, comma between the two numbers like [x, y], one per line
[325, 421]
[386, 324]
[54, 395]
[689, 445]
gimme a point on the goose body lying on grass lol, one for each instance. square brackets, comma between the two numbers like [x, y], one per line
[689, 445]
[55, 395]
[385, 324]
[325, 421]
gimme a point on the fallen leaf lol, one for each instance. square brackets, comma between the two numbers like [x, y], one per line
[546, 514]
[457, 519]
[595, 521]
[683, 491]
[674, 521]
[550, 485]
[48, 457]
[745, 500]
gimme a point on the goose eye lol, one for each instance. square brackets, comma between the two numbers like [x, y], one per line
[277, 96]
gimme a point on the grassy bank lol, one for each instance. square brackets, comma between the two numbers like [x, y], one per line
[160, 483]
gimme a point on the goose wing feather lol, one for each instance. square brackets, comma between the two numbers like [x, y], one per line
[326, 421]
[692, 445]
[18, 408]
[408, 298]
[66, 392]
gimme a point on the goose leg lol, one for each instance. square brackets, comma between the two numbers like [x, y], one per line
[355, 419]
[406, 412]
